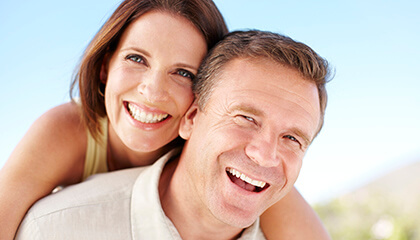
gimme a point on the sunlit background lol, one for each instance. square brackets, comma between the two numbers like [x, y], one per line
[372, 123]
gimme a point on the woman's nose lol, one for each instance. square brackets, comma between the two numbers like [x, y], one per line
[153, 86]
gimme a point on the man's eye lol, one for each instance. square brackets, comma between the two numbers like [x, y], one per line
[250, 119]
[186, 74]
[244, 120]
[135, 58]
[291, 138]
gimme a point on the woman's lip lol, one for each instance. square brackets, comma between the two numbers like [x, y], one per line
[145, 108]
[148, 126]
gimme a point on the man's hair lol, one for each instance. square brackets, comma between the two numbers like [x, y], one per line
[261, 44]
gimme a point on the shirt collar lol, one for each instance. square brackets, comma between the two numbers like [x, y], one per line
[148, 220]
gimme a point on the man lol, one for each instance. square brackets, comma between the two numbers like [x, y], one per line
[260, 103]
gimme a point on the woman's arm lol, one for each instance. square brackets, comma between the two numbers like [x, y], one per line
[51, 153]
[293, 218]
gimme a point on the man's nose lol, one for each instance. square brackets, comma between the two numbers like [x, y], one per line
[153, 86]
[263, 150]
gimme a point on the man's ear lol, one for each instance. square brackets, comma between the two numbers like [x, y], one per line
[103, 75]
[187, 121]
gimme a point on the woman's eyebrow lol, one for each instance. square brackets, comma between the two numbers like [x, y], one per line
[137, 49]
[147, 54]
[184, 65]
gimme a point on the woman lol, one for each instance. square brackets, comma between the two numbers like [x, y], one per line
[135, 84]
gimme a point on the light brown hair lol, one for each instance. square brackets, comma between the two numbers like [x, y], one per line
[257, 44]
[202, 13]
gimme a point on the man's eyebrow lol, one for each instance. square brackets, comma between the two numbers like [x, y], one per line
[304, 136]
[257, 112]
[248, 109]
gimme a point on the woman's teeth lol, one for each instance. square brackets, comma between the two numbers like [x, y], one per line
[245, 178]
[144, 117]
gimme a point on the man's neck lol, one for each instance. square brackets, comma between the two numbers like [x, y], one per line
[191, 218]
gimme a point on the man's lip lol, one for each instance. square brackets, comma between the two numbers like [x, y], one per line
[244, 181]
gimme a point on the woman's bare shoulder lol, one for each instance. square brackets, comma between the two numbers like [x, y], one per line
[51, 153]
[58, 140]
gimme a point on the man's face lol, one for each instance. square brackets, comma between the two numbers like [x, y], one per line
[245, 149]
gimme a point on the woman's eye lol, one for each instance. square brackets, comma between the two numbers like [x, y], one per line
[135, 58]
[186, 74]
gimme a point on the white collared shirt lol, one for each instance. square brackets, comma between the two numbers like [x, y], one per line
[118, 205]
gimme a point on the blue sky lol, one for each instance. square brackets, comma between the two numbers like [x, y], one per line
[373, 114]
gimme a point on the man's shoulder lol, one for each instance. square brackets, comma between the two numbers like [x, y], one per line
[98, 207]
[99, 188]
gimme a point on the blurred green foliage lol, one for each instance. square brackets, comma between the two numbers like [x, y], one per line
[370, 216]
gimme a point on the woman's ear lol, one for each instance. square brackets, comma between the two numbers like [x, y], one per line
[103, 75]
[187, 121]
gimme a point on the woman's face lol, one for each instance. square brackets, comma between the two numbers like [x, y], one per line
[148, 79]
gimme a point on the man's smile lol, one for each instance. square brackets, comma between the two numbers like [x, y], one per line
[246, 182]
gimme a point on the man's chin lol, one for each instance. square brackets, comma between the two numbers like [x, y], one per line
[237, 218]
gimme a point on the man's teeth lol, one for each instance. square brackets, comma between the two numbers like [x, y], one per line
[144, 117]
[245, 178]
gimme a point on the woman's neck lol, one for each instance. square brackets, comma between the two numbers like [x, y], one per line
[119, 156]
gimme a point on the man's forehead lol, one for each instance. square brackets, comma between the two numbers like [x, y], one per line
[264, 76]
